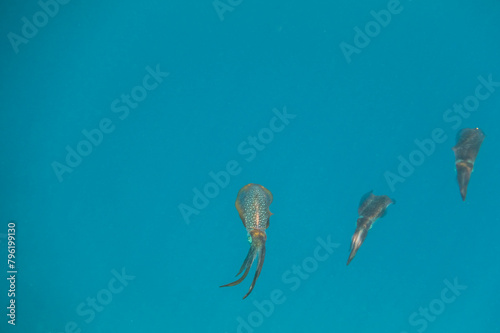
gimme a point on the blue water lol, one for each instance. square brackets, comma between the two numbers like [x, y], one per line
[114, 115]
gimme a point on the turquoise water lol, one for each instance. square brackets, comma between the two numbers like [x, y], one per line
[127, 130]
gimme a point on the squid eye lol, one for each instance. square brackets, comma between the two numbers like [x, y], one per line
[249, 239]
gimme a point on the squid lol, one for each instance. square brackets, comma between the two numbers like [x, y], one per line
[469, 141]
[253, 203]
[371, 208]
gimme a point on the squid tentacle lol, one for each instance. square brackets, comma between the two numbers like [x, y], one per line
[257, 249]
[260, 263]
[247, 264]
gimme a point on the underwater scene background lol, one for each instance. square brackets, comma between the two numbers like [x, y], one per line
[127, 130]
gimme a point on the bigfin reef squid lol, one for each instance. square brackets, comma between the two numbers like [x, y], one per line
[371, 208]
[252, 203]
